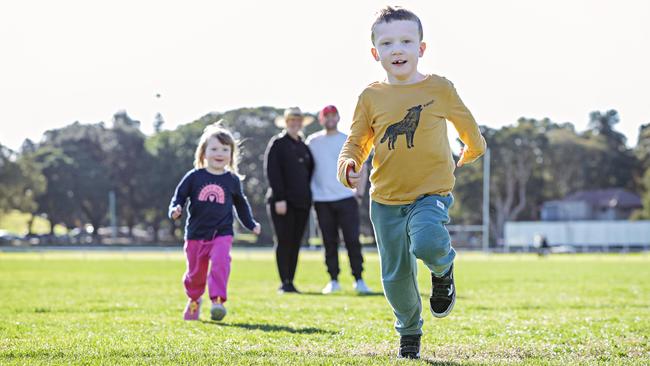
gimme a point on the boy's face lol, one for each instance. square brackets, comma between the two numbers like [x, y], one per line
[398, 47]
[217, 154]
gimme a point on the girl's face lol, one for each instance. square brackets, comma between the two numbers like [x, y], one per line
[217, 155]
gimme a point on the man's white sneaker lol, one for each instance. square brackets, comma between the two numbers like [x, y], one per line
[361, 287]
[331, 287]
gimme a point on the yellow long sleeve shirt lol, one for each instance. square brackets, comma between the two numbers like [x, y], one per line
[406, 126]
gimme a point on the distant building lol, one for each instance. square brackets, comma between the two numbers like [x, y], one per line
[599, 204]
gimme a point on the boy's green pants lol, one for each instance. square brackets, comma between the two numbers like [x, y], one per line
[404, 233]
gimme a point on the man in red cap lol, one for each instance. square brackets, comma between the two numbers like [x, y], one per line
[335, 204]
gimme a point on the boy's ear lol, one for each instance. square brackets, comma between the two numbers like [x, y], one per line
[423, 47]
[375, 54]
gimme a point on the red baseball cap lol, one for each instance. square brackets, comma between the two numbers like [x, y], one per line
[326, 110]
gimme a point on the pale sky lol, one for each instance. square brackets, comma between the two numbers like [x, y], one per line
[65, 61]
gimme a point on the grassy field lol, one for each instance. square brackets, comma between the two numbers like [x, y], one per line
[125, 308]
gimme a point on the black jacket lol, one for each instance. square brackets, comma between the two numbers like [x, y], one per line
[289, 166]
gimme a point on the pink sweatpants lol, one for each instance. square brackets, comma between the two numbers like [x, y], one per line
[198, 254]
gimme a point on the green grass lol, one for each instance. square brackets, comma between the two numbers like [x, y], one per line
[125, 308]
[16, 223]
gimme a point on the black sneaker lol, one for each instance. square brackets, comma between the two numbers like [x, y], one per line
[409, 346]
[288, 287]
[443, 294]
[291, 288]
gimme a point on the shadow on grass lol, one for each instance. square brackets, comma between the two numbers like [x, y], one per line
[556, 306]
[441, 363]
[370, 294]
[272, 328]
[103, 309]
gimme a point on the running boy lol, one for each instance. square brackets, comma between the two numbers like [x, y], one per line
[403, 119]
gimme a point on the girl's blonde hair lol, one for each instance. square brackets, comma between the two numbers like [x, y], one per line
[225, 137]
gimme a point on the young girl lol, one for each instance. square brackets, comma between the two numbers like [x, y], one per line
[213, 187]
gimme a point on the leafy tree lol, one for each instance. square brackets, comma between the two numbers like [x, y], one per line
[644, 213]
[468, 194]
[168, 161]
[126, 157]
[57, 203]
[33, 183]
[642, 149]
[9, 178]
[21, 182]
[612, 164]
[517, 154]
[84, 146]
[158, 122]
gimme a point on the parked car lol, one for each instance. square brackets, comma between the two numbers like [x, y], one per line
[7, 238]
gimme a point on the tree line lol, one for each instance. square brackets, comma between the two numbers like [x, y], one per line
[66, 177]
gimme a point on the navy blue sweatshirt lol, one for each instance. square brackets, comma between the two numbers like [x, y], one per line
[212, 197]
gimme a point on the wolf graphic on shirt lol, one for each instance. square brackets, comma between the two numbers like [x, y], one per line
[406, 126]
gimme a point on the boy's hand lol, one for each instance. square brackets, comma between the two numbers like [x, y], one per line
[460, 158]
[352, 176]
[258, 229]
[178, 211]
[281, 208]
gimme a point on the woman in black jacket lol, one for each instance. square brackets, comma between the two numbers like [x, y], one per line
[289, 167]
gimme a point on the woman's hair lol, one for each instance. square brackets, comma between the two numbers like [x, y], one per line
[225, 137]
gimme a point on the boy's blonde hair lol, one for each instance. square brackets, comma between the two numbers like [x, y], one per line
[389, 14]
[225, 137]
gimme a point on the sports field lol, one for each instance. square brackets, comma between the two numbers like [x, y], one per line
[126, 308]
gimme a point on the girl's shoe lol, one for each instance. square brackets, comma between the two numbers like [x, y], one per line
[218, 311]
[192, 310]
